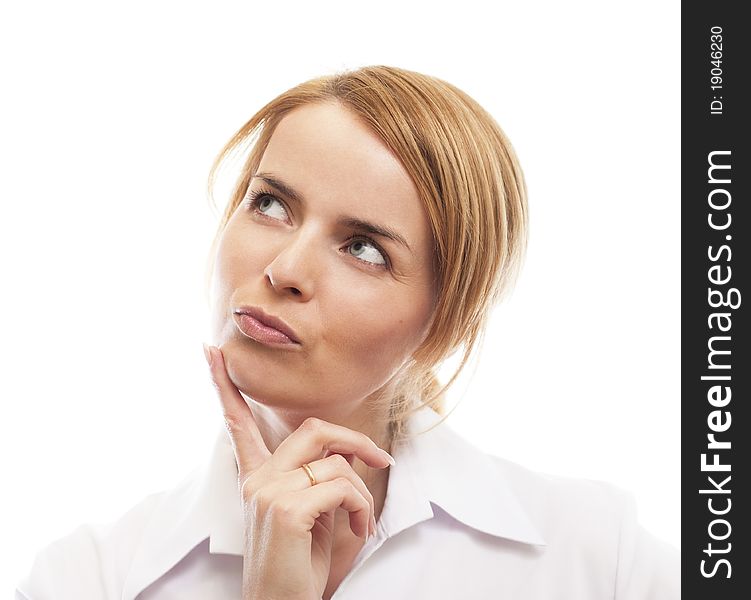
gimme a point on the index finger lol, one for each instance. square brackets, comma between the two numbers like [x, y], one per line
[250, 449]
[316, 436]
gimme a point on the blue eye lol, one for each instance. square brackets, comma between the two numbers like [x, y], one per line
[260, 201]
[361, 243]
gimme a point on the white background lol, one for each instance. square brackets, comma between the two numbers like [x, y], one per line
[111, 116]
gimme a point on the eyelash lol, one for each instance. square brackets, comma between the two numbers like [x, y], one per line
[252, 203]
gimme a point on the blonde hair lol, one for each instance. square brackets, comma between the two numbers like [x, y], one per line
[469, 180]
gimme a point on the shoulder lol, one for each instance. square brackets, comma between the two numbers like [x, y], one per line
[118, 559]
[91, 561]
[592, 525]
[557, 503]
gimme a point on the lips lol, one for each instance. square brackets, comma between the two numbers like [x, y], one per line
[261, 324]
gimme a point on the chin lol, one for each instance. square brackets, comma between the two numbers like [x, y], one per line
[245, 372]
[256, 380]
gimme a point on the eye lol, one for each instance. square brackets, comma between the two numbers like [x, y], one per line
[365, 247]
[262, 202]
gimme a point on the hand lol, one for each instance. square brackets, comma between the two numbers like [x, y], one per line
[289, 523]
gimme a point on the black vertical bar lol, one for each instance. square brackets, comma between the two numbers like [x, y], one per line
[716, 363]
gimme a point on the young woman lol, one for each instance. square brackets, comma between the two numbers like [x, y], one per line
[379, 216]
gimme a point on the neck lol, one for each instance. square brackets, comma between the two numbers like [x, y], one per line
[276, 424]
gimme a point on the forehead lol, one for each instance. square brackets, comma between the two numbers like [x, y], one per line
[331, 158]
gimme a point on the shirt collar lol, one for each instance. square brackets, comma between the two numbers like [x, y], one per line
[440, 467]
[437, 467]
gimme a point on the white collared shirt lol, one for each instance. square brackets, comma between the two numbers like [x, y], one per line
[456, 523]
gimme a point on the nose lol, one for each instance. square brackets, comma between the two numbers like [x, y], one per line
[292, 268]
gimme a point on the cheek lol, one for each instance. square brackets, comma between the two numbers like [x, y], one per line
[371, 344]
[236, 260]
[238, 255]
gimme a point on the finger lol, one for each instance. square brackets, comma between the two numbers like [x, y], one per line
[326, 469]
[250, 449]
[315, 436]
[350, 458]
[328, 496]
[335, 466]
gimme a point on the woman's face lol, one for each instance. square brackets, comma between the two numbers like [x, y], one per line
[358, 302]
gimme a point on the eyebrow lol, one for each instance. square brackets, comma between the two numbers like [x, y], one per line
[345, 221]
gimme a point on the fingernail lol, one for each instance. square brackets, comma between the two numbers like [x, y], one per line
[207, 353]
[373, 524]
[389, 458]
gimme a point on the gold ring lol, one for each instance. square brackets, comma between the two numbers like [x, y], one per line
[309, 471]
